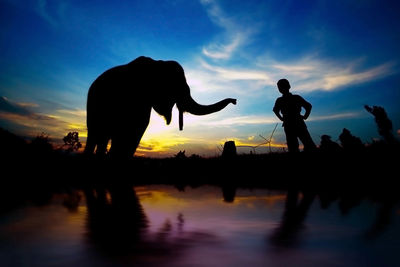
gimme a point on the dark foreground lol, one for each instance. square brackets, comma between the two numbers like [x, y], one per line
[318, 209]
[371, 172]
[114, 224]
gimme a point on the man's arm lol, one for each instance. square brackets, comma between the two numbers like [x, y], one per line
[307, 107]
[277, 110]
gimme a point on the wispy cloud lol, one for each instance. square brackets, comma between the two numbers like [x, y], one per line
[42, 10]
[269, 119]
[79, 113]
[310, 74]
[52, 12]
[233, 36]
[337, 116]
[10, 107]
[223, 50]
[239, 74]
[307, 72]
[306, 75]
[243, 120]
[349, 76]
[23, 116]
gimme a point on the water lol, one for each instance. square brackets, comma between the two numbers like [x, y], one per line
[160, 225]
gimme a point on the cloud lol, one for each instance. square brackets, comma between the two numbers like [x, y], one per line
[42, 10]
[212, 81]
[53, 12]
[31, 123]
[306, 74]
[233, 37]
[337, 116]
[269, 119]
[79, 113]
[10, 107]
[350, 77]
[223, 51]
[238, 74]
[243, 120]
[312, 74]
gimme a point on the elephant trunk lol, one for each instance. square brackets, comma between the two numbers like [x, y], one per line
[191, 106]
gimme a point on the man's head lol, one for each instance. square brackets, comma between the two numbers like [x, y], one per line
[283, 86]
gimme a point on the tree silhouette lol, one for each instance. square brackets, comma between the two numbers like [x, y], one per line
[71, 141]
[385, 126]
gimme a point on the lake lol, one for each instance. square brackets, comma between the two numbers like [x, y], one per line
[162, 225]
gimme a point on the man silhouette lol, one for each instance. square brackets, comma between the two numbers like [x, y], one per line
[288, 109]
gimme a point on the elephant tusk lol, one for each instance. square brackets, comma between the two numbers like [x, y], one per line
[180, 120]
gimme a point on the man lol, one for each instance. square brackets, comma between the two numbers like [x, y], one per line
[288, 109]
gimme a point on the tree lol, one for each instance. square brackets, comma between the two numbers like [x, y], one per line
[385, 126]
[71, 141]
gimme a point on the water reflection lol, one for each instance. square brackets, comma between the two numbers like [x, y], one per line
[120, 225]
[295, 212]
[384, 218]
[229, 193]
[115, 219]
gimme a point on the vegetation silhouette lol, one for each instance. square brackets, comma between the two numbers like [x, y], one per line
[71, 141]
[11, 146]
[328, 146]
[120, 100]
[350, 142]
[41, 145]
[288, 109]
[384, 124]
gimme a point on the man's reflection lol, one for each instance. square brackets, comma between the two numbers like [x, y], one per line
[295, 212]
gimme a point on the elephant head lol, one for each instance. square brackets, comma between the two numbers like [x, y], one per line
[177, 91]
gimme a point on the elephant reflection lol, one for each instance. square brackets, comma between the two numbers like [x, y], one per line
[116, 220]
[117, 226]
[120, 101]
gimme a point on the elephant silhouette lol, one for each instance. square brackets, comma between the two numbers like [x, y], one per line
[120, 100]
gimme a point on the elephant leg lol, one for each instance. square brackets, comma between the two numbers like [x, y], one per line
[123, 146]
[90, 145]
[102, 146]
[96, 140]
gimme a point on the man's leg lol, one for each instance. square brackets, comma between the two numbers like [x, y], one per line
[291, 140]
[306, 139]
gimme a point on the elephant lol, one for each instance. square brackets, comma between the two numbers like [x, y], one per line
[120, 100]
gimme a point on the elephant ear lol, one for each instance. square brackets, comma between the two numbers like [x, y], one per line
[171, 88]
[165, 110]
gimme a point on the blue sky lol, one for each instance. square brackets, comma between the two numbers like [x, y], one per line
[339, 55]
